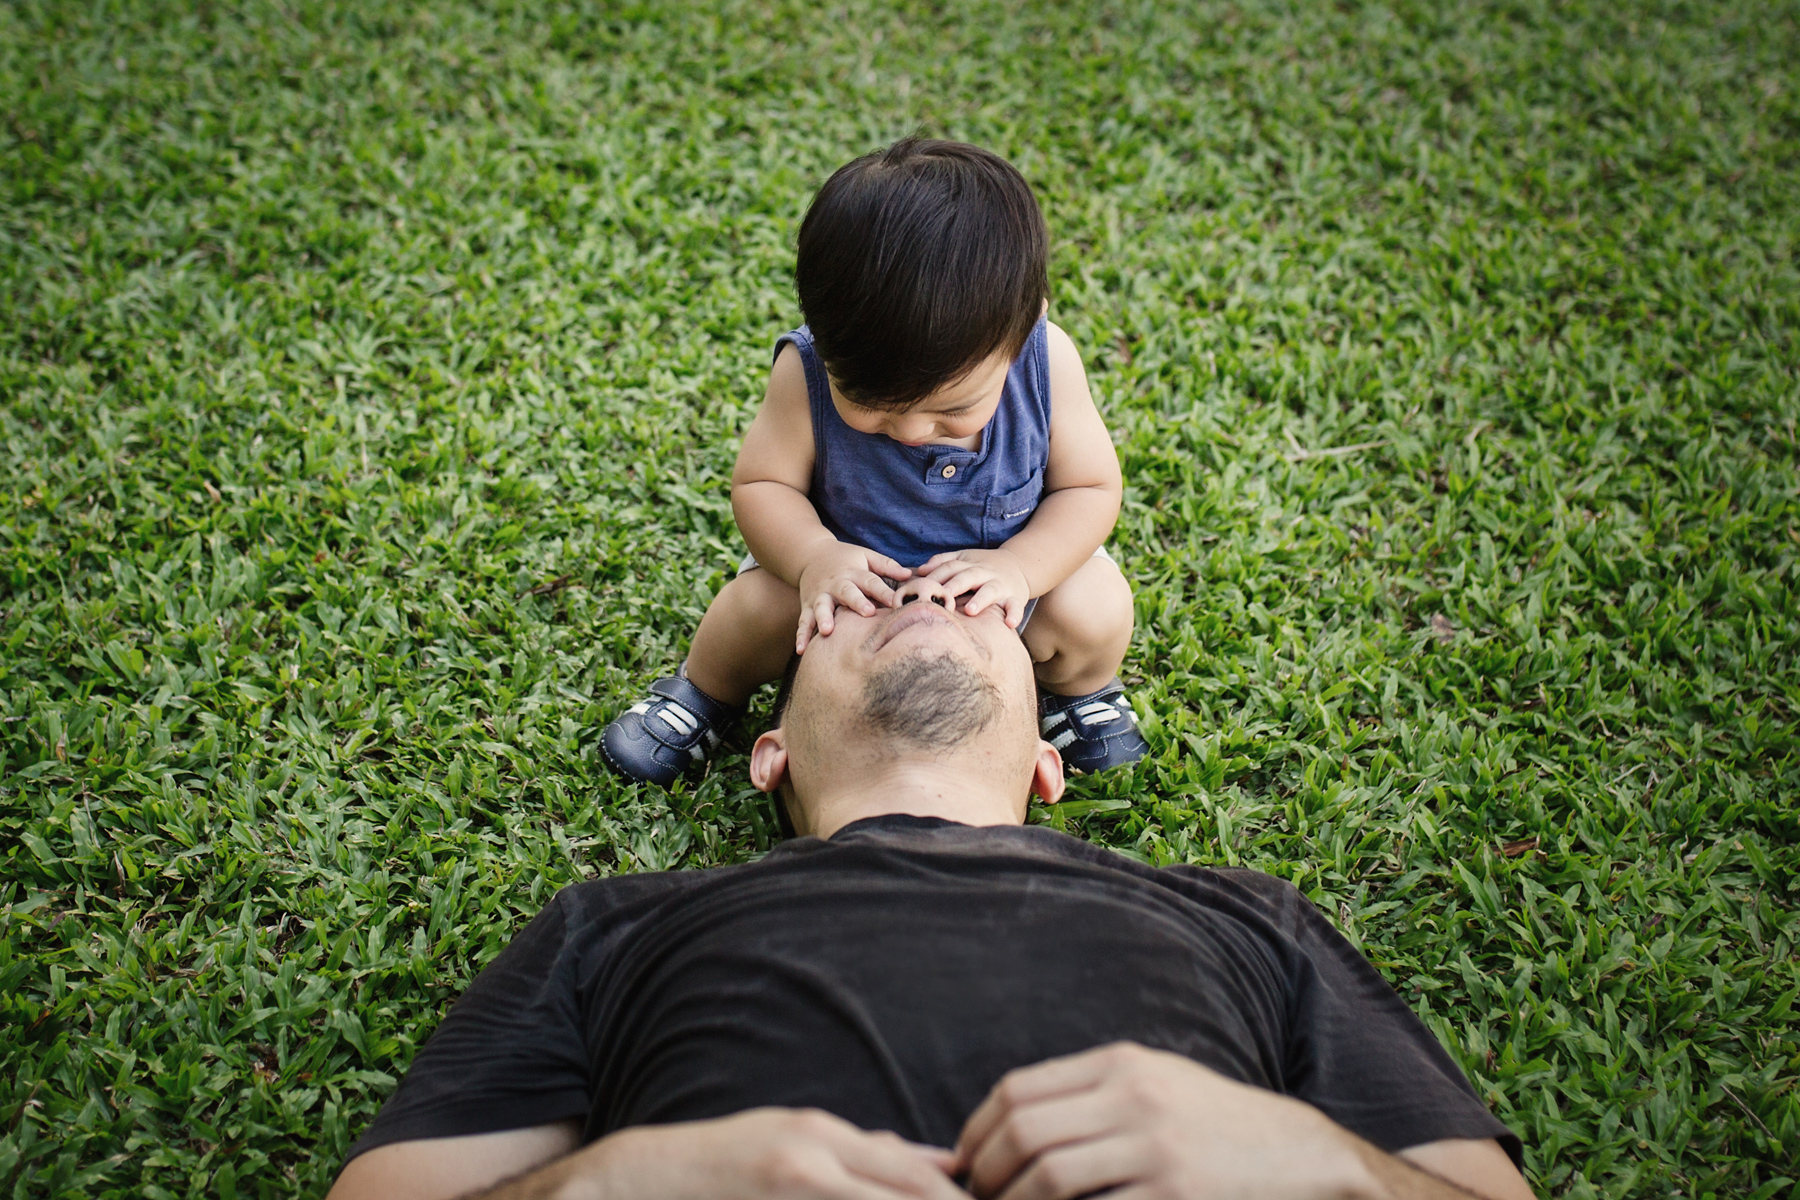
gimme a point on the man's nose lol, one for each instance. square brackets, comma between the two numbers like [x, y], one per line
[925, 589]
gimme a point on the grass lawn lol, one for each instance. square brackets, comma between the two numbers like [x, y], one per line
[370, 376]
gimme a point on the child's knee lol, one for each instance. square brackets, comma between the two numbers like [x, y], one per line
[758, 597]
[1105, 597]
[761, 586]
[1091, 609]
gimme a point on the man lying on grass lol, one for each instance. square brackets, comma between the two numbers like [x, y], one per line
[925, 999]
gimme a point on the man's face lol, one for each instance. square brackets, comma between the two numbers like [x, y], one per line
[920, 680]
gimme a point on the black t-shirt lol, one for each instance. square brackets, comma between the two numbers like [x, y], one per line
[892, 974]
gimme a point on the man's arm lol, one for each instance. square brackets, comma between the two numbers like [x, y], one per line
[1477, 1165]
[440, 1168]
[1150, 1123]
[763, 1154]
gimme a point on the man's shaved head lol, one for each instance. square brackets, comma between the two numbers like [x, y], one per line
[916, 684]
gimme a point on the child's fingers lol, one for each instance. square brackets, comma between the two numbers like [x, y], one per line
[883, 565]
[823, 606]
[948, 569]
[966, 579]
[850, 595]
[876, 588]
[944, 573]
[938, 559]
[1015, 611]
[987, 594]
[804, 634]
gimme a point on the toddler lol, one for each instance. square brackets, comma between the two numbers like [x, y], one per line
[926, 432]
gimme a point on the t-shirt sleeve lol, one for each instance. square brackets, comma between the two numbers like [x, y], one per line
[510, 1054]
[1355, 1050]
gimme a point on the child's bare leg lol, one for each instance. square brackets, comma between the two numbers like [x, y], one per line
[746, 637]
[1080, 629]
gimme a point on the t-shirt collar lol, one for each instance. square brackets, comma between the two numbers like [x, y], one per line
[886, 821]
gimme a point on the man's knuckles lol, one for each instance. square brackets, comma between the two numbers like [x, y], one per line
[809, 1153]
[1017, 1087]
[1164, 1151]
[1014, 1142]
[815, 1125]
[790, 1171]
[796, 1165]
[1149, 1092]
[1127, 1056]
[1053, 1177]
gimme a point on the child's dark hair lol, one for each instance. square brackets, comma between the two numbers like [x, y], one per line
[915, 264]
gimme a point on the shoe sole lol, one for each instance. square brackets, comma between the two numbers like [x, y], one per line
[619, 769]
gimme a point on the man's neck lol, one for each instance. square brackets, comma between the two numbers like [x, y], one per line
[917, 790]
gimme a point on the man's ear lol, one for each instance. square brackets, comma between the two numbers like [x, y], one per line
[768, 760]
[1047, 774]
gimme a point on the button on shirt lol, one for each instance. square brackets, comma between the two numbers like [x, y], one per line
[911, 502]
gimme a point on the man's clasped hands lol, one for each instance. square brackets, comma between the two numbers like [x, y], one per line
[1138, 1124]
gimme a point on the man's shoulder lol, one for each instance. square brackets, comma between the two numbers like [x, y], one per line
[615, 897]
[1269, 894]
[1270, 908]
[1054, 843]
[1240, 890]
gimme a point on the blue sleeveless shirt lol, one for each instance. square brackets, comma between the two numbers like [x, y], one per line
[911, 502]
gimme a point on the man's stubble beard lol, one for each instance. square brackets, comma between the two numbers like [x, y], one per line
[934, 702]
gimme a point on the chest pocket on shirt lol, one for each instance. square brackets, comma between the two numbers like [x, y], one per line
[1007, 514]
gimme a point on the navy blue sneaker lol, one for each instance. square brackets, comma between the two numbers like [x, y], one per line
[1092, 732]
[658, 738]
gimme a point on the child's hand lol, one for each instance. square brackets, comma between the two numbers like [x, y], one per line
[840, 573]
[995, 577]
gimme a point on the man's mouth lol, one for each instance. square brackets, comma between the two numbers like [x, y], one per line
[912, 613]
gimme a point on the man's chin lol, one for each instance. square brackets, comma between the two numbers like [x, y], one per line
[931, 697]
